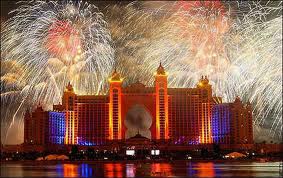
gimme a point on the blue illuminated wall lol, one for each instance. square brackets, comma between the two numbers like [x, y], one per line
[57, 127]
[85, 142]
[221, 120]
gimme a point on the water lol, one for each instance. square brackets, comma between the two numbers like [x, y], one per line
[135, 169]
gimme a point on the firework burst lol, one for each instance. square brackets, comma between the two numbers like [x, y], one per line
[53, 43]
[239, 51]
[238, 45]
[235, 44]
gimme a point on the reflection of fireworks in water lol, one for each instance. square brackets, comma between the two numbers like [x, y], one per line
[235, 44]
[52, 43]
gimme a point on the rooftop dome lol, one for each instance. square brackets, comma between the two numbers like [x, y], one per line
[203, 81]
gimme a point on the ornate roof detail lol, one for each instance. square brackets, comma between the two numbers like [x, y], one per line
[160, 70]
[237, 99]
[203, 81]
[115, 76]
[69, 87]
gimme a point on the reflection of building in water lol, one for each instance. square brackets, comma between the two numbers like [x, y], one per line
[205, 170]
[130, 170]
[113, 170]
[161, 170]
[183, 115]
[70, 170]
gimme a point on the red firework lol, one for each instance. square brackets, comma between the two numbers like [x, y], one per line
[209, 5]
[63, 39]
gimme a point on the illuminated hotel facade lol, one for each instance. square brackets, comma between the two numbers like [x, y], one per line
[177, 115]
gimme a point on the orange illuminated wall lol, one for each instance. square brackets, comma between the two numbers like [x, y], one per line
[92, 114]
[115, 120]
[68, 104]
[71, 128]
[184, 113]
[162, 127]
[206, 136]
[139, 95]
[205, 93]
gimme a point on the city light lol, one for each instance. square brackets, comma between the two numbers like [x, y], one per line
[130, 152]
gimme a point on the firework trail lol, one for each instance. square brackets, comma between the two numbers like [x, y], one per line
[240, 52]
[235, 44]
[238, 45]
[47, 44]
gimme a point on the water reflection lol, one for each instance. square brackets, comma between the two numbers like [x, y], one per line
[205, 170]
[85, 170]
[67, 170]
[135, 169]
[191, 171]
[130, 170]
[74, 170]
[161, 169]
[113, 170]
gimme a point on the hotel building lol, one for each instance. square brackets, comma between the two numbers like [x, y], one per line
[178, 115]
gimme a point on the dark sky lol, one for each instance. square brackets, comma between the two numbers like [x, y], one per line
[8, 5]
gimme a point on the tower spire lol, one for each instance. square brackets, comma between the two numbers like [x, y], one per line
[160, 70]
[115, 75]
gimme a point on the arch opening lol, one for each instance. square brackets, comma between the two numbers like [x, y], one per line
[138, 121]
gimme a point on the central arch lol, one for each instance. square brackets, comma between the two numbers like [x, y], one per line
[138, 120]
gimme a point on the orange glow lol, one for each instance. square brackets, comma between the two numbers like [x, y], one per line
[70, 170]
[157, 118]
[161, 83]
[73, 129]
[67, 129]
[115, 81]
[113, 170]
[71, 132]
[109, 170]
[205, 170]
[166, 74]
[205, 124]
[161, 170]
[115, 85]
[166, 117]
[110, 122]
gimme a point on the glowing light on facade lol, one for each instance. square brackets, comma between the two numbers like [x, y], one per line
[162, 128]
[206, 136]
[184, 115]
[115, 120]
[57, 127]
[71, 128]
[236, 44]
